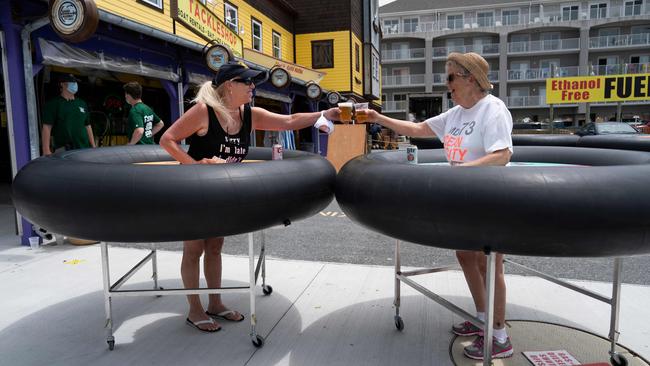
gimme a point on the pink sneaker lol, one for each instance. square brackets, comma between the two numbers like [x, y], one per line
[499, 350]
[466, 329]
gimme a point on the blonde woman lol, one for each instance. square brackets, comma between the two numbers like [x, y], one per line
[219, 129]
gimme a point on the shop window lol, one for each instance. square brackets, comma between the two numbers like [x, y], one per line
[256, 26]
[357, 58]
[322, 54]
[156, 4]
[277, 45]
[231, 16]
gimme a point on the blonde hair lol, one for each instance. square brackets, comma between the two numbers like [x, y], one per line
[214, 97]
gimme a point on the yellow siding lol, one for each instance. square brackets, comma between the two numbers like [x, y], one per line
[142, 14]
[357, 87]
[245, 13]
[338, 77]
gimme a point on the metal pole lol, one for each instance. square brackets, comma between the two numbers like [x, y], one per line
[398, 269]
[616, 302]
[251, 283]
[107, 295]
[619, 111]
[489, 309]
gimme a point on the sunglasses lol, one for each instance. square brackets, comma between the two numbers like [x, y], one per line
[452, 77]
[247, 82]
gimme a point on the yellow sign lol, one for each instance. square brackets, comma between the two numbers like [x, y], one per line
[203, 22]
[296, 72]
[591, 89]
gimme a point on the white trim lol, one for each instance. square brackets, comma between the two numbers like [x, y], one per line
[279, 48]
[253, 37]
[227, 7]
[155, 3]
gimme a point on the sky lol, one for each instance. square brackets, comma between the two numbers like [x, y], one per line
[384, 2]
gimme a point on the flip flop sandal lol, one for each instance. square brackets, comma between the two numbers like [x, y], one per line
[224, 316]
[200, 322]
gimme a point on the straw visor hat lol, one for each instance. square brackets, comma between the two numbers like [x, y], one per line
[475, 64]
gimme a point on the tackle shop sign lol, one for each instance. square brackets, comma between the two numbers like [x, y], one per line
[597, 89]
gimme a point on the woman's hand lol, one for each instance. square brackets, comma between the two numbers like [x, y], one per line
[333, 114]
[212, 160]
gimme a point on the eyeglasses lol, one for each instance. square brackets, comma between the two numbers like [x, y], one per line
[244, 81]
[452, 76]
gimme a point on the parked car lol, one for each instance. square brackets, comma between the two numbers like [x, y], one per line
[606, 128]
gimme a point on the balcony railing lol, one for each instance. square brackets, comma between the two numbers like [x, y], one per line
[542, 73]
[407, 54]
[544, 46]
[441, 79]
[621, 69]
[624, 40]
[485, 49]
[402, 80]
[393, 106]
[516, 19]
[527, 101]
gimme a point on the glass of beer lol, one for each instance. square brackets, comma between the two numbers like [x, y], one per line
[346, 112]
[361, 112]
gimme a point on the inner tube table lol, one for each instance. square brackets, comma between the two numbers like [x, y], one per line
[86, 189]
[454, 208]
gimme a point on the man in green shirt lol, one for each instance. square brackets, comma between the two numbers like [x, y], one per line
[66, 119]
[143, 122]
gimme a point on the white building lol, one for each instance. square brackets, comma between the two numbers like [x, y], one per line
[522, 41]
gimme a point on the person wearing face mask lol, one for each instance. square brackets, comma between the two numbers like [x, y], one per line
[218, 128]
[476, 132]
[66, 120]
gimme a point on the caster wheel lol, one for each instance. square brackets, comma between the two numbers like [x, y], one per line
[258, 342]
[399, 323]
[111, 345]
[267, 290]
[618, 360]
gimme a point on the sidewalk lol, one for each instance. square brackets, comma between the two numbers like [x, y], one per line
[319, 313]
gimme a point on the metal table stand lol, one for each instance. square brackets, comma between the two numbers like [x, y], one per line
[616, 358]
[113, 290]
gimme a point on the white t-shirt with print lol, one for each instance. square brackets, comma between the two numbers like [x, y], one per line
[469, 134]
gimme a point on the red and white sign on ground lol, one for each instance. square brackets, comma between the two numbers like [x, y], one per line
[551, 358]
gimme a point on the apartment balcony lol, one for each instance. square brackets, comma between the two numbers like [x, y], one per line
[393, 106]
[546, 46]
[621, 69]
[473, 23]
[621, 41]
[412, 54]
[485, 50]
[533, 101]
[397, 81]
[441, 79]
[541, 73]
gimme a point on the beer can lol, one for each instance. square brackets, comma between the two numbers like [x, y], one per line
[412, 154]
[276, 153]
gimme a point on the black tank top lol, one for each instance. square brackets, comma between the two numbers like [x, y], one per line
[217, 142]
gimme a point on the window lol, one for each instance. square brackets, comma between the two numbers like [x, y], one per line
[570, 12]
[231, 16]
[411, 25]
[633, 7]
[277, 45]
[357, 58]
[156, 4]
[399, 97]
[256, 34]
[485, 19]
[510, 16]
[322, 54]
[391, 26]
[455, 21]
[598, 11]
[550, 41]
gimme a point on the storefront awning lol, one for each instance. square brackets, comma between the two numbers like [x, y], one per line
[62, 54]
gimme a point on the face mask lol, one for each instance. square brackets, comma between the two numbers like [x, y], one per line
[73, 87]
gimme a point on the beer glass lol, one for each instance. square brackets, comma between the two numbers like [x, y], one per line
[346, 112]
[361, 112]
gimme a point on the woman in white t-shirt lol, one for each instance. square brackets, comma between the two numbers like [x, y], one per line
[476, 132]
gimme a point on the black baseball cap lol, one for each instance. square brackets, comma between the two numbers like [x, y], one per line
[67, 78]
[235, 69]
